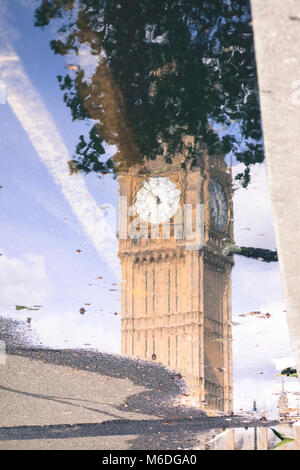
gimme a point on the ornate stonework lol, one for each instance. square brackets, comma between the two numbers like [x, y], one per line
[176, 303]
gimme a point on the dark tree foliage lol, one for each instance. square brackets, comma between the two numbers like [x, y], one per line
[262, 254]
[289, 372]
[259, 253]
[166, 69]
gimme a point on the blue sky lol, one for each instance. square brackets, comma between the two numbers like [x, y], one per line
[44, 220]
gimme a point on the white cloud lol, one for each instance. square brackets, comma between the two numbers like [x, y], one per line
[72, 330]
[37, 122]
[86, 60]
[23, 281]
[283, 362]
[254, 283]
[258, 340]
[260, 346]
[253, 224]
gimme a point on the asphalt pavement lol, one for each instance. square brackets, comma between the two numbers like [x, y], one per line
[83, 399]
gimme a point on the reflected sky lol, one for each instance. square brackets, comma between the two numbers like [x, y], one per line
[57, 243]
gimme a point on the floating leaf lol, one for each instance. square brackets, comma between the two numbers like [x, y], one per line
[23, 307]
[251, 314]
[289, 372]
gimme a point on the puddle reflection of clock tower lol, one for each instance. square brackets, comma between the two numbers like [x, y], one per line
[176, 301]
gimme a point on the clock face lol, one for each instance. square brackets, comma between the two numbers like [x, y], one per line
[218, 205]
[157, 200]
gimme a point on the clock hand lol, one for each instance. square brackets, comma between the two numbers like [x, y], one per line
[157, 198]
[151, 192]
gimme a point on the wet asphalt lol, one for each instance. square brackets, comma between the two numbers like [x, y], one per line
[83, 399]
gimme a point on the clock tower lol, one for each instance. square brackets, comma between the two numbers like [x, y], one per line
[176, 295]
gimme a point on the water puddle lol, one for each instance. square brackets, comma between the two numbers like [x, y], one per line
[136, 214]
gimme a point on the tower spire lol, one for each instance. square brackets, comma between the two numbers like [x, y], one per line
[283, 403]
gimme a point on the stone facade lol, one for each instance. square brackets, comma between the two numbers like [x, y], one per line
[176, 302]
